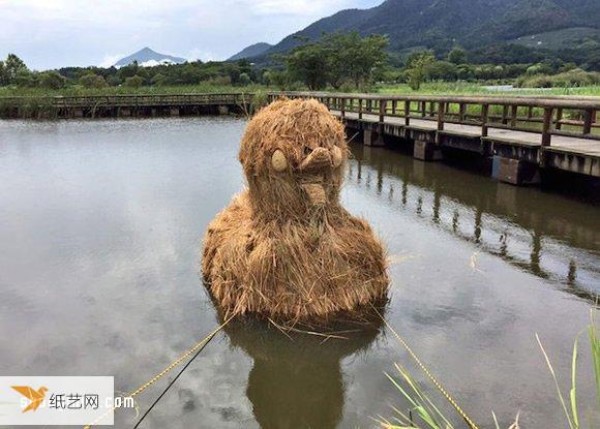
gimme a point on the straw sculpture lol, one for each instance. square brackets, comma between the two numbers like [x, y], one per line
[285, 248]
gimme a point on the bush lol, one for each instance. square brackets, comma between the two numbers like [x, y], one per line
[134, 81]
[25, 79]
[92, 80]
[51, 80]
[158, 79]
[569, 79]
[259, 100]
[113, 80]
[244, 79]
[441, 70]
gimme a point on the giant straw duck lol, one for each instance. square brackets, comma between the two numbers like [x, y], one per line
[285, 248]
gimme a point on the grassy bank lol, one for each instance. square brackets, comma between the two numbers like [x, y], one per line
[431, 88]
[8, 91]
[465, 88]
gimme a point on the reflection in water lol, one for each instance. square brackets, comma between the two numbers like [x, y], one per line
[545, 234]
[572, 273]
[296, 380]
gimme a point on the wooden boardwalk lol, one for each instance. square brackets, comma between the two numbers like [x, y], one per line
[523, 135]
[584, 146]
[97, 106]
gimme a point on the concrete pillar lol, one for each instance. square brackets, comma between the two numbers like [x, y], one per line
[174, 111]
[514, 171]
[125, 113]
[427, 151]
[223, 110]
[372, 138]
[78, 113]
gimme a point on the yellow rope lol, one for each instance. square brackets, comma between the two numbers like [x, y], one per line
[168, 369]
[437, 384]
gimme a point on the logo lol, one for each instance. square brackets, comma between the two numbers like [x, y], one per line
[59, 401]
[36, 397]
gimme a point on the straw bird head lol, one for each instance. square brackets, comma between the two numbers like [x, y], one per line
[293, 154]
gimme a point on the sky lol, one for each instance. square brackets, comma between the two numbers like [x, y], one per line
[57, 33]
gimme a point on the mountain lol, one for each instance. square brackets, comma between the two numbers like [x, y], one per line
[148, 58]
[251, 51]
[441, 24]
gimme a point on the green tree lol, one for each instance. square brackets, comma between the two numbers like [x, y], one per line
[234, 73]
[441, 70]
[129, 70]
[337, 47]
[266, 78]
[92, 80]
[24, 79]
[355, 58]
[308, 64]
[465, 72]
[13, 65]
[113, 80]
[416, 66]
[363, 56]
[337, 58]
[245, 66]
[3, 74]
[245, 79]
[280, 79]
[158, 79]
[51, 80]
[539, 68]
[134, 81]
[457, 56]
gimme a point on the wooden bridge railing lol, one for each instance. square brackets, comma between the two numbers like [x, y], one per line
[135, 100]
[549, 116]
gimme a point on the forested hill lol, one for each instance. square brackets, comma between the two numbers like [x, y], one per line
[440, 24]
[251, 51]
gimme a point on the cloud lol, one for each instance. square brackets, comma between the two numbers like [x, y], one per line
[56, 33]
[297, 7]
[110, 60]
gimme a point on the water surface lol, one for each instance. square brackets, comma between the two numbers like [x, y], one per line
[100, 230]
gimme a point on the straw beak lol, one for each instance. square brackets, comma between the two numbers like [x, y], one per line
[318, 159]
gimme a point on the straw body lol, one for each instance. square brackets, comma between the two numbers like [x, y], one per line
[285, 248]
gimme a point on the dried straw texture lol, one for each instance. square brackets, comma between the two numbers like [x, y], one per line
[285, 248]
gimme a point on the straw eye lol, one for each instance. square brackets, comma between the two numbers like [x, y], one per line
[278, 161]
[336, 156]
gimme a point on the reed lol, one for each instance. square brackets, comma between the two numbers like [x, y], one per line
[569, 404]
[423, 413]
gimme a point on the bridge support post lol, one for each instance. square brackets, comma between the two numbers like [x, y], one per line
[372, 138]
[223, 110]
[427, 151]
[514, 171]
[174, 111]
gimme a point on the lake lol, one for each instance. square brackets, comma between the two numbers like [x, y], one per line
[101, 224]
